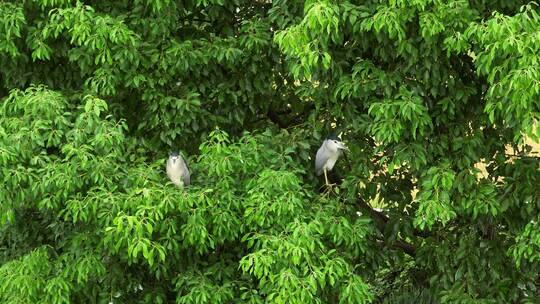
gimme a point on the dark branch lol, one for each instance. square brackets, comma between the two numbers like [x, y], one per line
[380, 221]
[406, 247]
[378, 217]
[274, 117]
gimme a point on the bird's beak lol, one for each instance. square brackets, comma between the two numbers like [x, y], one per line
[342, 146]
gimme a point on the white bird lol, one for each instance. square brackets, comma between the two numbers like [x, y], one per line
[327, 155]
[177, 170]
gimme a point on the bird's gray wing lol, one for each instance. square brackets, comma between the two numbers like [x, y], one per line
[185, 173]
[320, 159]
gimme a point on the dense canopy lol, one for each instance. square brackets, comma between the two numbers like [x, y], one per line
[436, 200]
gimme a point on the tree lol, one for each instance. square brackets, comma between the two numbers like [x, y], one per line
[95, 94]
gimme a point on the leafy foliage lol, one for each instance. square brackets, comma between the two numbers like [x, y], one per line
[93, 96]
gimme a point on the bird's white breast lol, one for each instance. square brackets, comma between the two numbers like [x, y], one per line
[331, 161]
[175, 172]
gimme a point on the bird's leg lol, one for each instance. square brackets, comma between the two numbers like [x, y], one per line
[326, 178]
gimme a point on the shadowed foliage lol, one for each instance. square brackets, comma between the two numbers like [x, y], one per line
[95, 94]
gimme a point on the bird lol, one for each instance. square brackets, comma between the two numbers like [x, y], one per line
[327, 155]
[177, 170]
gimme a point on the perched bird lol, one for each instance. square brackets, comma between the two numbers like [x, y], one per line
[327, 155]
[177, 170]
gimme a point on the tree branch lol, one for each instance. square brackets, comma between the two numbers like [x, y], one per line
[380, 221]
[378, 217]
[274, 117]
[406, 247]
